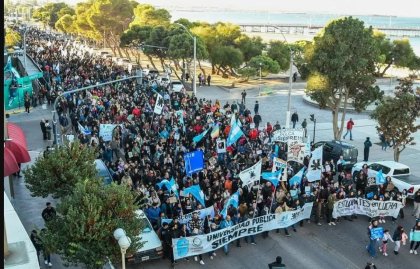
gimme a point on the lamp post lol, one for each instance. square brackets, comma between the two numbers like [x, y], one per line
[124, 242]
[24, 47]
[195, 56]
[312, 118]
[54, 112]
[290, 81]
[259, 87]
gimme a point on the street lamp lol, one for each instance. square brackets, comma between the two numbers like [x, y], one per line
[24, 47]
[259, 88]
[195, 56]
[124, 242]
[312, 118]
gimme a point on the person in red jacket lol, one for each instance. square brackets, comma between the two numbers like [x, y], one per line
[350, 124]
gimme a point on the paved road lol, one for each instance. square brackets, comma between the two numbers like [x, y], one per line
[312, 246]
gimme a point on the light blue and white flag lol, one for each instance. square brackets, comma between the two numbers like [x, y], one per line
[83, 130]
[164, 134]
[315, 165]
[198, 138]
[235, 132]
[196, 191]
[233, 200]
[273, 177]
[169, 185]
[297, 179]
[380, 178]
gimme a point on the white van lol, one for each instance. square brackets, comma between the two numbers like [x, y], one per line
[152, 247]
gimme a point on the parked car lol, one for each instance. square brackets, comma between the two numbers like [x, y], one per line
[335, 148]
[103, 171]
[400, 174]
[154, 73]
[152, 247]
[164, 81]
[177, 86]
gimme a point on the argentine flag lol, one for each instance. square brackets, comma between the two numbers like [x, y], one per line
[273, 177]
[196, 191]
[235, 131]
[198, 138]
[83, 130]
[233, 200]
[170, 186]
[297, 179]
[380, 179]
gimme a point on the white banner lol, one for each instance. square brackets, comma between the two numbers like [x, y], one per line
[295, 151]
[315, 165]
[105, 130]
[199, 244]
[370, 208]
[251, 174]
[203, 213]
[278, 164]
[158, 105]
[283, 135]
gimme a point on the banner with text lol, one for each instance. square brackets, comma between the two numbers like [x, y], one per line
[370, 208]
[283, 135]
[296, 151]
[199, 244]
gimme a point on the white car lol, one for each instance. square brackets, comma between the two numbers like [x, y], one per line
[177, 86]
[152, 247]
[400, 174]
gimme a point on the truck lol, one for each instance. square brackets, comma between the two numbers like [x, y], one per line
[400, 174]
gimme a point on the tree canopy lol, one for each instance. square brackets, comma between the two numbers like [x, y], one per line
[148, 15]
[12, 38]
[396, 116]
[58, 172]
[280, 52]
[51, 12]
[343, 59]
[82, 231]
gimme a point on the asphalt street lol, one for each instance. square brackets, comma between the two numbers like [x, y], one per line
[312, 246]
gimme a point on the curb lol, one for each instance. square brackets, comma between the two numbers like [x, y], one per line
[311, 102]
[14, 111]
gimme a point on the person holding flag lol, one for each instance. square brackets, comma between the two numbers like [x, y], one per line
[235, 131]
[196, 192]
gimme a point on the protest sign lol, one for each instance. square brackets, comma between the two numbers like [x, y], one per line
[105, 131]
[221, 145]
[158, 105]
[377, 233]
[283, 135]
[194, 162]
[370, 208]
[203, 213]
[200, 244]
[295, 151]
[278, 164]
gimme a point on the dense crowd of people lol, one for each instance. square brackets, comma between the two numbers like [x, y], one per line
[147, 148]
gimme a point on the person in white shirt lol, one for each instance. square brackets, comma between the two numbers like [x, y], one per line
[387, 236]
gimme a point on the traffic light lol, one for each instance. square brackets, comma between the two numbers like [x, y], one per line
[312, 118]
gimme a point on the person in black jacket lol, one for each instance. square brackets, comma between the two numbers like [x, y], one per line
[277, 264]
[49, 212]
[295, 118]
[257, 120]
[43, 129]
[166, 237]
[36, 241]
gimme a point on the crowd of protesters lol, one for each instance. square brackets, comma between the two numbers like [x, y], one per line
[140, 157]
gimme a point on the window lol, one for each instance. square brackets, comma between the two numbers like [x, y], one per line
[375, 167]
[402, 171]
[385, 169]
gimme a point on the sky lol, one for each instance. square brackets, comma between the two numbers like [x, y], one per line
[404, 8]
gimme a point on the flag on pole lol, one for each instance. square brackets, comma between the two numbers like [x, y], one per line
[196, 191]
[235, 132]
[83, 130]
[315, 165]
[297, 179]
[215, 132]
[251, 174]
[273, 177]
[380, 178]
[198, 138]
[169, 185]
[233, 200]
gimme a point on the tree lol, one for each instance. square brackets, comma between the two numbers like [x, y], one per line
[12, 38]
[397, 116]
[343, 60]
[227, 58]
[247, 72]
[300, 49]
[267, 64]
[58, 172]
[82, 231]
[148, 15]
[250, 47]
[51, 12]
[280, 52]
[66, 24]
